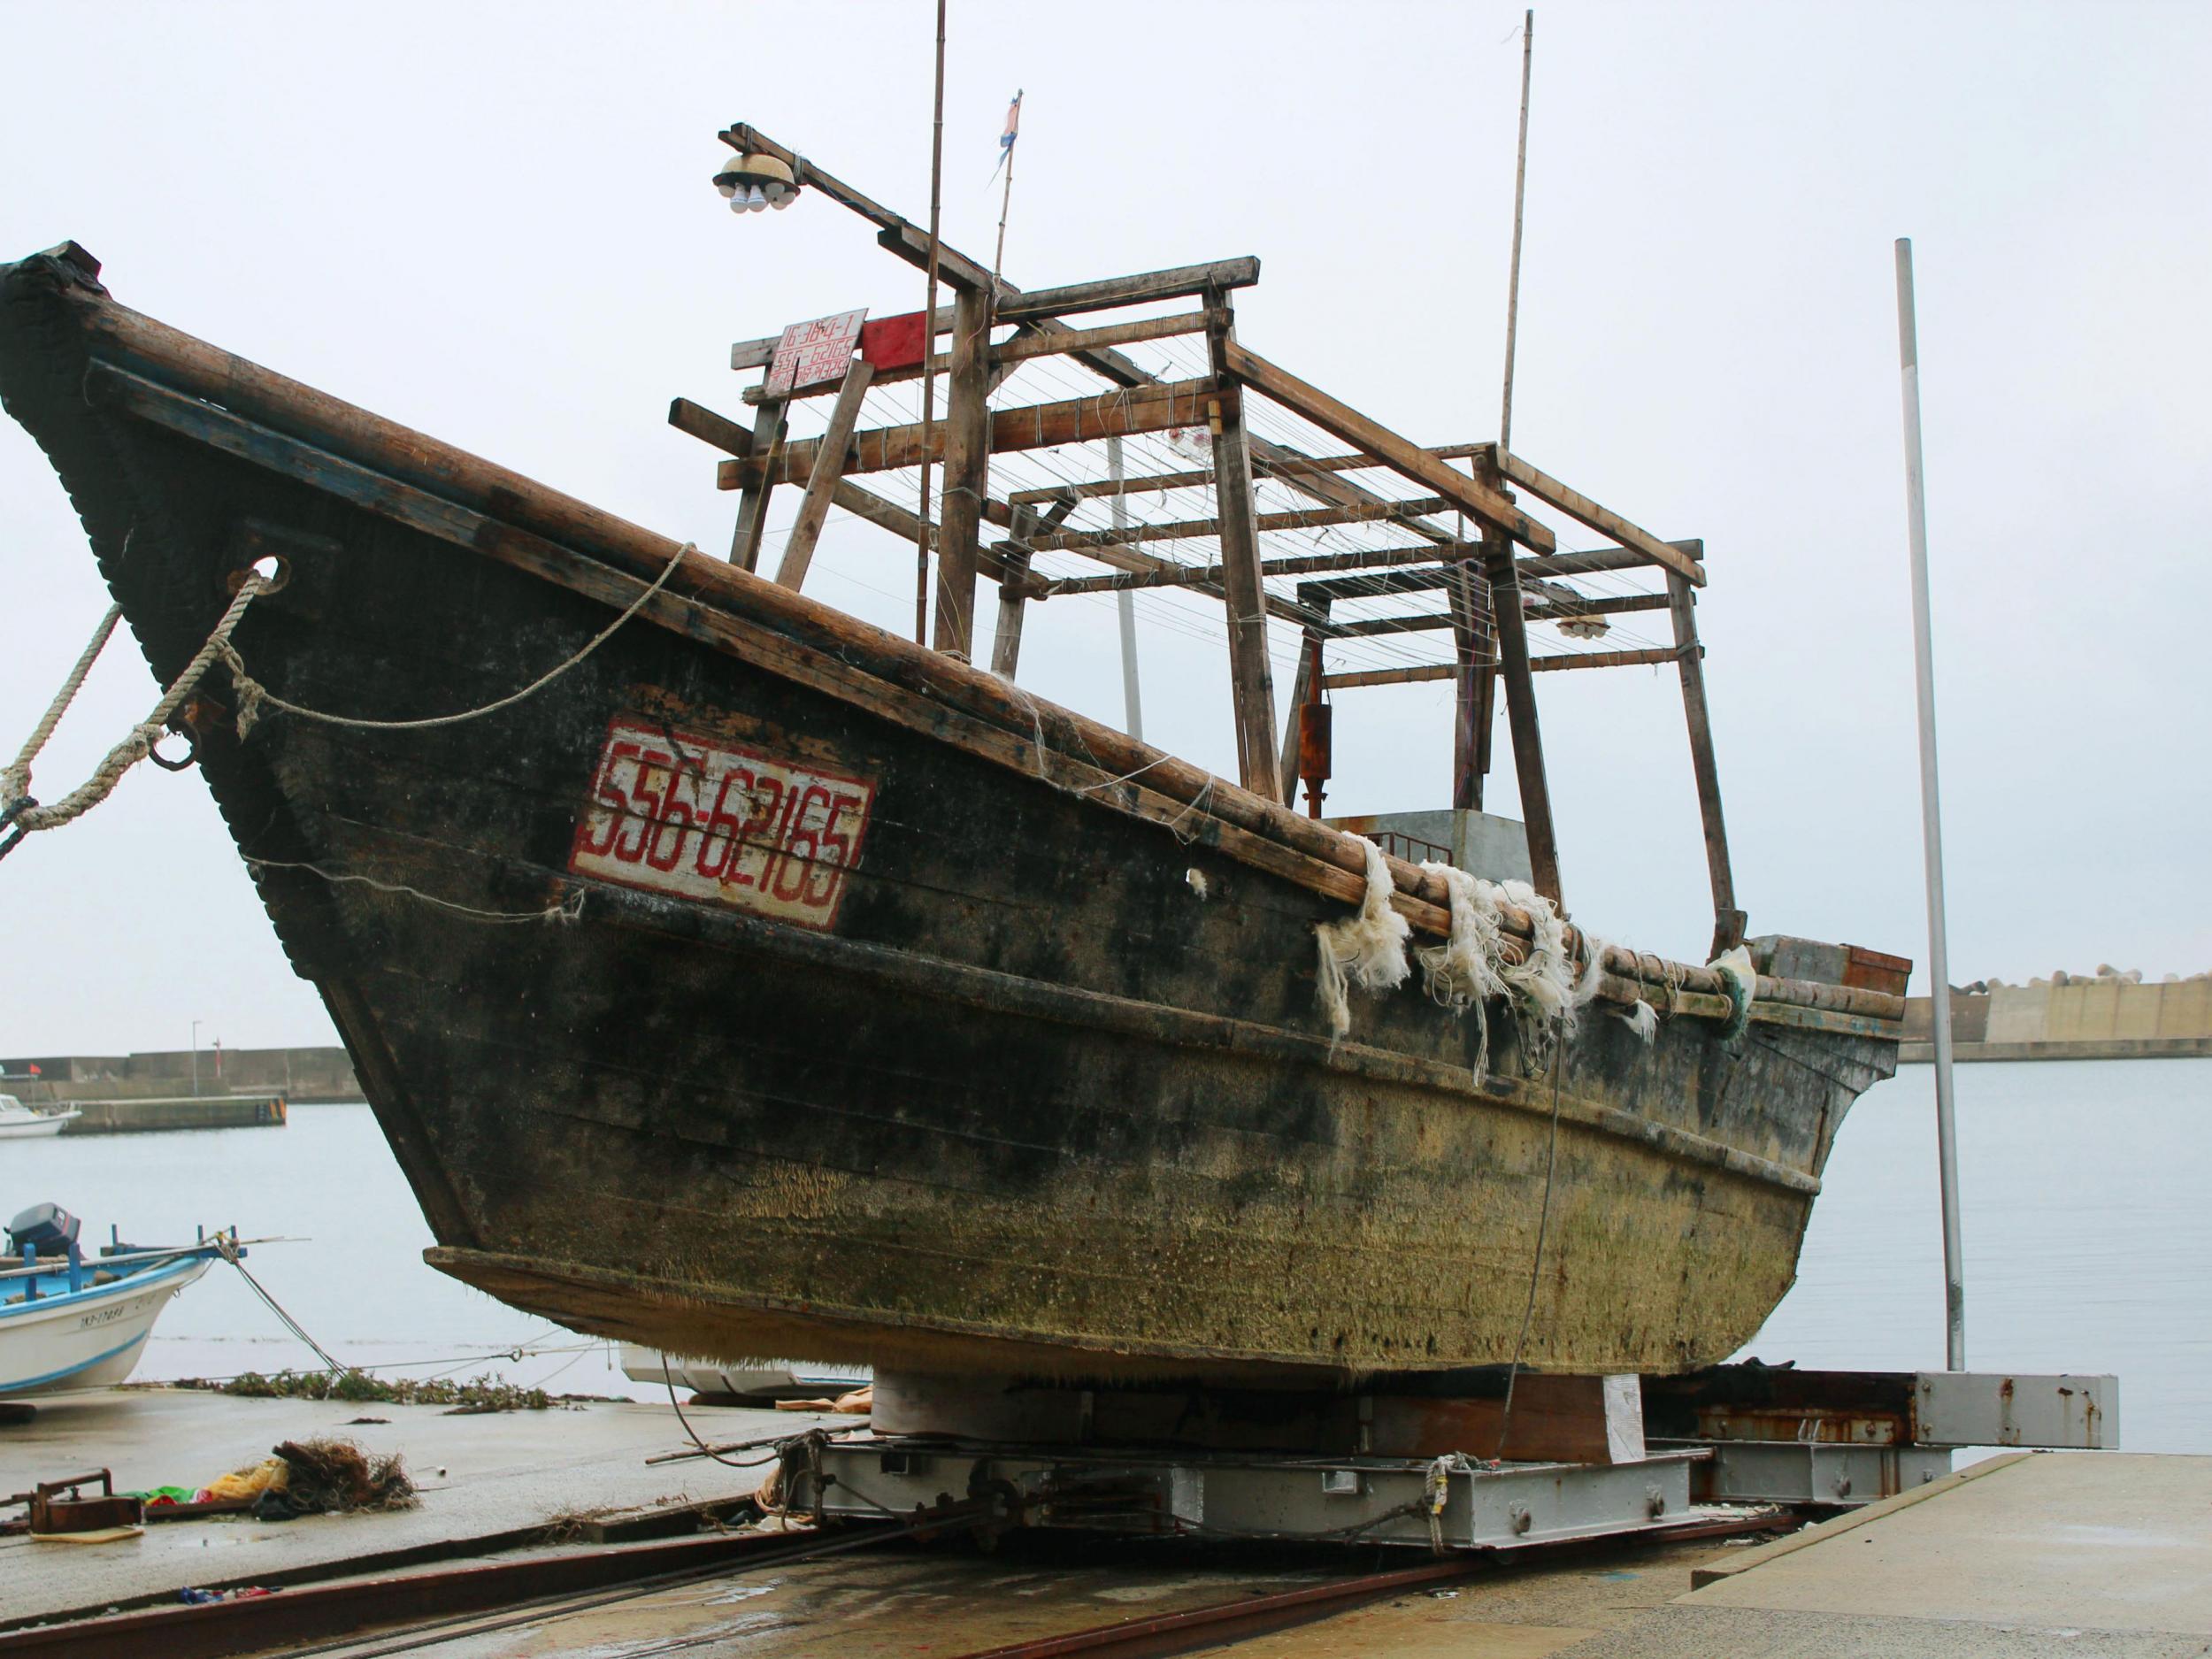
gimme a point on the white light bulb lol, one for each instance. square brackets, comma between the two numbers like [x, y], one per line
[785, 200]
[728, 186]
[737, 203]
[755, 200]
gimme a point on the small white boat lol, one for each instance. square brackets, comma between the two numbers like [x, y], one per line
[18, 1122]
[763, 1381]
[67, 1323]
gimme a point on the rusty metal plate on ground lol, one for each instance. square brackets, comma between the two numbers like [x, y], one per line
[699, 819]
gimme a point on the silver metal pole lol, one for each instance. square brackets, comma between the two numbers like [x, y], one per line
[1126, 606]
[1932, 822]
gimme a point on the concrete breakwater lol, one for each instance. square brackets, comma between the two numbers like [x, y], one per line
[189, 1111]
[2109, 1017]
[300, 1076]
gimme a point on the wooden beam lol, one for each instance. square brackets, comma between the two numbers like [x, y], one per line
[961, 273]
[1429, 621]
[1251, 680]
[1475, 654]
[1027, 343]
[1301, 689]
[1728, 921]
[725, 434]
[1193, 529]
[821, 485]
[1598, 559]
[1178, 283]
[1300, 565]
[1520, 713]
[1583, 511]
[1006, 638]
[1033, 427]
[1402, 456]
[752, 506]
[1023, 347]
[1264, 469]
[1421, 671]
[967, 473]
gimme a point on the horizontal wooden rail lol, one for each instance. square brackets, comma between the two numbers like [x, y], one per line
[1033, 427]
[1285, 465]
[1537, 665]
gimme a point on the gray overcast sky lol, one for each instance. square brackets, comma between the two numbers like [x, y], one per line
[495, 223]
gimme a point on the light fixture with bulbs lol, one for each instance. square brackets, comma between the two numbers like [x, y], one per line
[756, 181]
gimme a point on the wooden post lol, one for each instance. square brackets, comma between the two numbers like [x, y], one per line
[829, 468]
[752, 506]
[1728, 921]
[1006, 639]
[1475, 652]
[1251, 682]
[1315, 597]
[1520, 711]
[967, 472]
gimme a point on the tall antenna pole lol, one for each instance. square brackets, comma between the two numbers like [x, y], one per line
[929, 340]
[1520, 190]
[1931, 821]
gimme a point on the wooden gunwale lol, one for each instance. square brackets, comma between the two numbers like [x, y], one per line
[505, 515]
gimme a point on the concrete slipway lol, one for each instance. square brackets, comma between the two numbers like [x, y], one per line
[2089, 1554]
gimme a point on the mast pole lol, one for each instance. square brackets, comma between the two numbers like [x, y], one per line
[1005, 200]
[929, 338]
[1520, 190]
[1931, 819]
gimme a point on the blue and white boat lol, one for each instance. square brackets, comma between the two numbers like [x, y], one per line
[67, 1323]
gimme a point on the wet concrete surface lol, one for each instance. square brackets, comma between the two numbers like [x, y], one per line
[480, 1475]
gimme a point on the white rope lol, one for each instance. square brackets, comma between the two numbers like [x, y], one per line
[253, 695]
[570, 909]
[15, 783]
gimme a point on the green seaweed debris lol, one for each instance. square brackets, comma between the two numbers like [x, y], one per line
[478, 1394]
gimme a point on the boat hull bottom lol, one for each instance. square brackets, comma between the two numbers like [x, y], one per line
[661, 1315]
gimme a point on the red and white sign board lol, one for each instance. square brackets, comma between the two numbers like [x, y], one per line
[722, 824]
[814, 354]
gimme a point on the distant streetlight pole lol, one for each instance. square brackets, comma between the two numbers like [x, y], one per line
[196, 1056]
[1932, 822]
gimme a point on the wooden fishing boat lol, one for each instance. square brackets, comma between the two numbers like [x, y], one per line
[853, 1004]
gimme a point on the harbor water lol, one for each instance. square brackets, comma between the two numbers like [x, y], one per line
[2084, 1188]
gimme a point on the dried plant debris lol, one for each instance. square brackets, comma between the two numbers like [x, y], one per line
[325, 1476]
[461, 1399]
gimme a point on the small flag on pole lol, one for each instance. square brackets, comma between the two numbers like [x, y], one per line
[1013, 131]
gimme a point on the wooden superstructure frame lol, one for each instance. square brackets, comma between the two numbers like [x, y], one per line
[1497, 568]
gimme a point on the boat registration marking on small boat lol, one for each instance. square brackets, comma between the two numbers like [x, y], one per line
[683, 815]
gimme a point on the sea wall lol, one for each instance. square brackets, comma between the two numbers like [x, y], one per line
[299, 1075]
[2104, 1017]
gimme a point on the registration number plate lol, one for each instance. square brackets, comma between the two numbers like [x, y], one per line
[718, 822]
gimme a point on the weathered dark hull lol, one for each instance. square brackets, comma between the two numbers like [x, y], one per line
[991, 1086]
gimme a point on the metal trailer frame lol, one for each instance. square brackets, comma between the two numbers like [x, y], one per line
[1854, 1438]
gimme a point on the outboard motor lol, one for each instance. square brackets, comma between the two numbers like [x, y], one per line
[47, 1228]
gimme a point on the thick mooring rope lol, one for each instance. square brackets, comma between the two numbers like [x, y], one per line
[23, 815]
